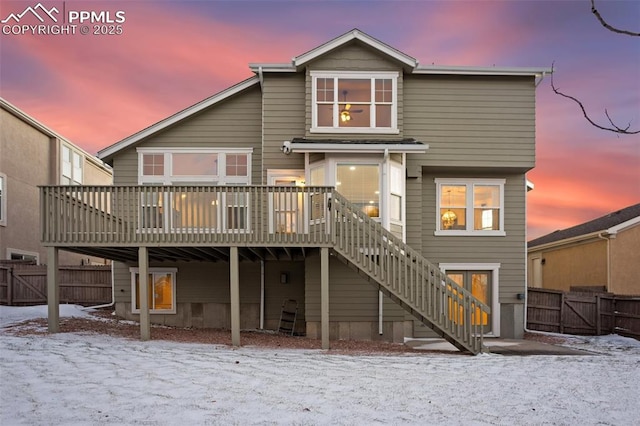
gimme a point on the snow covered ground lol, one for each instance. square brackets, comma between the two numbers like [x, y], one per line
[81, 379]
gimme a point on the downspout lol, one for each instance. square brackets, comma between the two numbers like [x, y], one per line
[113, 293]
[602, 237]
[262, 295]
[380, 295]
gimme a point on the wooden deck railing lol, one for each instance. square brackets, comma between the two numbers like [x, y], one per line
[406, 276]
[184, 215]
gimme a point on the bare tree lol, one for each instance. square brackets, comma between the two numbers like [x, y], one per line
[613, 127]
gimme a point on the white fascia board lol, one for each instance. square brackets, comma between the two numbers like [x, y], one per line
[256, 67]
[187, 112]
[462, 70]
[566, 241]
[621, 226]
[355, 35]
[357, 147]
[17, 112]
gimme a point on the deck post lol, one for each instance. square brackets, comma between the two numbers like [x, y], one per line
[143, 282]
[324, 296]
[234, 282]
[53, 290]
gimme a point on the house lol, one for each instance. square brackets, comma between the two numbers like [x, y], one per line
[386, 198]
[31, 154]
[601, 253]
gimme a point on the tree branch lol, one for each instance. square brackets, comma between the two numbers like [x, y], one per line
[606, 25]
[614, 128]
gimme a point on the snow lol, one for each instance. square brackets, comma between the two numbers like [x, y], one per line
[86, 379]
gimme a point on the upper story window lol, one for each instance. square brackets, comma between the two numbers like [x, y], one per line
[71, 166]
[354, 102]
[470, 207]
[187, 166]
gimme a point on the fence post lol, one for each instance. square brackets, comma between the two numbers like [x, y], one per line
[598, 316]
[10, 286]
[562, 313]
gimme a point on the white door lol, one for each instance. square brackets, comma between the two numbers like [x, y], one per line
[285, 205]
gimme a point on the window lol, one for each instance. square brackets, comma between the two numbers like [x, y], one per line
[175, 166]
[71, 166]
[194, 209]
[3, 199]
[354, 102]
[470, 206]
[360, 184]
[161, 287]
[15, 254]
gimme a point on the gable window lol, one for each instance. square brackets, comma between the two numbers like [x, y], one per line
[71, 166]
[3, 199]
[161, 289]
[354, 102]
[470, 207]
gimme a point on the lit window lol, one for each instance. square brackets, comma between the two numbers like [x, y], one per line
[354, 101]
[360, 184]
[161, 288]
[470, 206]
[71, 166]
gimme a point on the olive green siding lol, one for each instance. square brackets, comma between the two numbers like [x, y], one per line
[284, 106]
[472, 121]
[233, 123]
[509, 250]
[351, 298]
[207, 284]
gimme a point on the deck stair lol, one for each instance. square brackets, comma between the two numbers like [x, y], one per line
[406, 277]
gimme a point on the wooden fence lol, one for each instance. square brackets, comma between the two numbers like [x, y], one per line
[585, 313]
[22, 285]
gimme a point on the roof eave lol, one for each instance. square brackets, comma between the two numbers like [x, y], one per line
[359, 148]
[108, 153]
[622, 226]
[489, 71]
[355, 34]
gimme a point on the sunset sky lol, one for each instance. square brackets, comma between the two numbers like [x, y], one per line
[98, 89]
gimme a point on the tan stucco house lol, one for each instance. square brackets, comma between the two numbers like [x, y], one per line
[603, 253]
[31, 154]
[386, 198]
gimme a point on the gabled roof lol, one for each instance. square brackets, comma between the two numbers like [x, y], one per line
[608, 224]
[17, 112]
[107, 153]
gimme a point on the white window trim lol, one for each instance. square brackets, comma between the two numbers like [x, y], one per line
[470, 183]
[72, 179]
[495, 281]
[172, 271]
[220, 179]
[34, 254]
[393, 76]
[3, 199]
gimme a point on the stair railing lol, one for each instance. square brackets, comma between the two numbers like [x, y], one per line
[407, 277]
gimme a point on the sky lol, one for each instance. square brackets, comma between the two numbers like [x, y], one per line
[98, 89]
[83, 378]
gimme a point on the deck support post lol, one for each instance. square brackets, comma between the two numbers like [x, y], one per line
[234, 282]
[143, 282]
[324, 296]
[53, 290]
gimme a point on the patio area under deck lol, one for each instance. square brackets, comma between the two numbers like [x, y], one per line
[143, 224]
[214, 224]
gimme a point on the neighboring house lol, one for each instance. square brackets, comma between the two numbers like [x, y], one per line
[602, 253]
[370, 189]
[31, 154]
